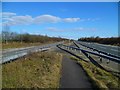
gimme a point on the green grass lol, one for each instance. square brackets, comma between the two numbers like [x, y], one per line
[100, 78]
[37, 70]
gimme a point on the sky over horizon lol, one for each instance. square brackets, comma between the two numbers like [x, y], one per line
[63, 19]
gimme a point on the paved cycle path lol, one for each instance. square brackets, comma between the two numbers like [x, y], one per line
[73, 76]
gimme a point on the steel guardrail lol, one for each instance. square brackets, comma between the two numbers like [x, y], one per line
[94, 53]
[9, 56]
[109, 54]
[20, 54]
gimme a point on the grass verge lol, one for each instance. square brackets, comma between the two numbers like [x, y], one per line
[37, 70]
[20, 45]
[99, 78]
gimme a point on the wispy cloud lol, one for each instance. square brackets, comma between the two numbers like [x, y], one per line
[54, 29]
[76, 29]
[90, 19]
[71, 19]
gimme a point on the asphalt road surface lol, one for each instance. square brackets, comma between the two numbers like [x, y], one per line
[114, 50]
[10, 54]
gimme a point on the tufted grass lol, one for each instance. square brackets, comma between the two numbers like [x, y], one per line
[101, 79]
[37, 70]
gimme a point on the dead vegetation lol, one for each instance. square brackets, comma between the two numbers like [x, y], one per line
[37, 70]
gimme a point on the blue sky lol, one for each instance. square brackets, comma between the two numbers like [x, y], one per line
[69, 20]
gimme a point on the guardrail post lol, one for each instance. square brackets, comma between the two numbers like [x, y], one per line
[68, 48]
[108, 61]
[80, 51]
[75, 49]
[72, 48]
[88, 54]
[100, 59]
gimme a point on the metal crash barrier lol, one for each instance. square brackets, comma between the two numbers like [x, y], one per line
[90, 52]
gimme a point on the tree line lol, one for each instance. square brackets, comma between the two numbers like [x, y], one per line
[8, 36]
[111, 40]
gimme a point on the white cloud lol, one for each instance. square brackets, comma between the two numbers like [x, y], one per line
[90, 19]
[53, 19]
[12, 19]
[7, 14]
[54, 29]
[47, 19]
[68, 29]
[19, 20]
[76, 29]
[71, 19]
[84, 29]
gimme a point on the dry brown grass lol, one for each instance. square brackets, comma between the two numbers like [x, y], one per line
[20, 45]
[37, 70]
